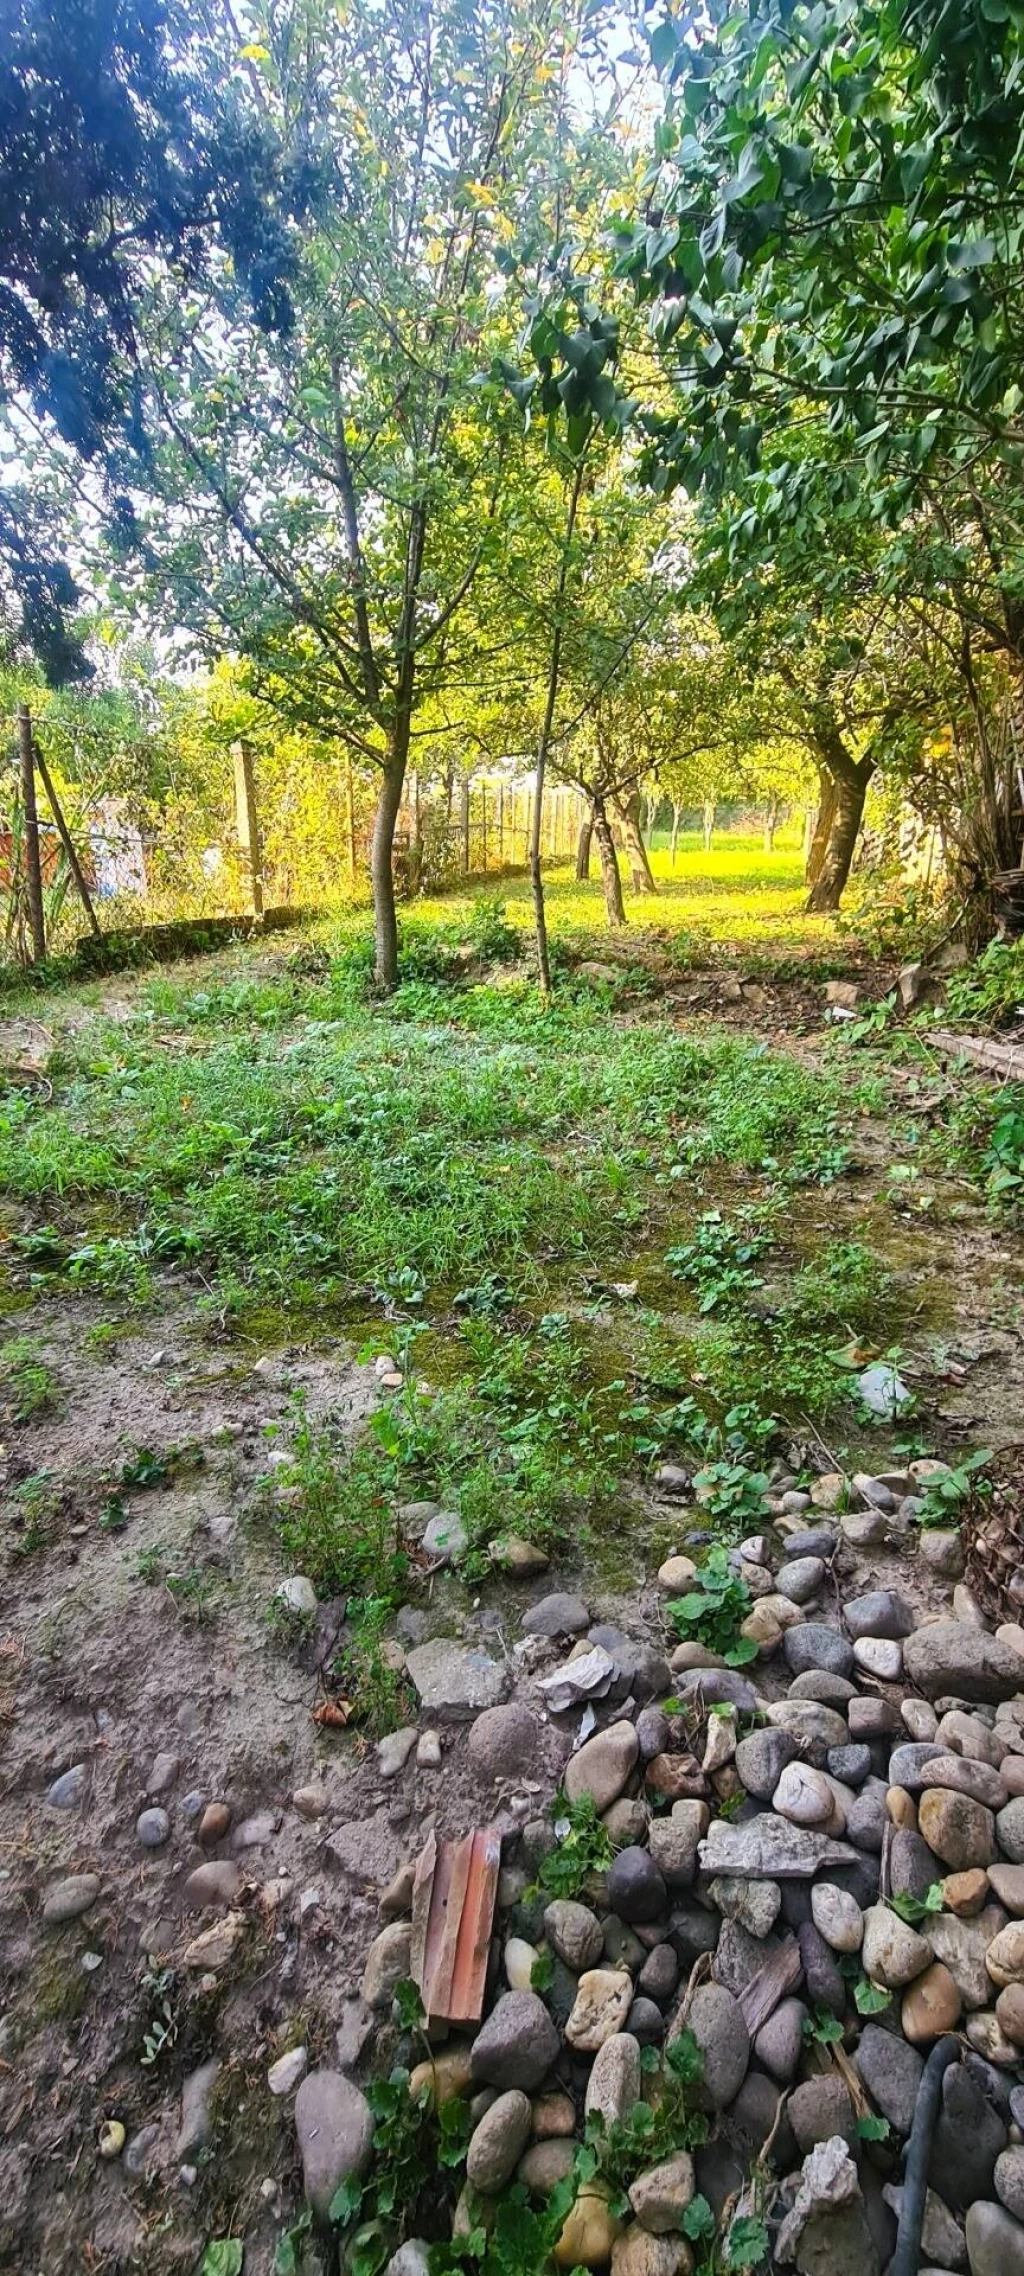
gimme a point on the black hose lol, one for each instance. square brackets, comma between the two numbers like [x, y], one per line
[907, 2256]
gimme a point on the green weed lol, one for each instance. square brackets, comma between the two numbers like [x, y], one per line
[30, 1384]
[713, 1611]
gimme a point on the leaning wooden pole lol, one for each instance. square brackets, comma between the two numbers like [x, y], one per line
[30, 821]
[67, 842]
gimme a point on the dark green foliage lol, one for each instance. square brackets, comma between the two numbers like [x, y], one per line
[583, 1849]
[713, 1612]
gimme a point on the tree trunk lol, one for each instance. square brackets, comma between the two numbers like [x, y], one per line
[610, 878]
[677, 813]
[822, 829]
[771, 823]
[628, 812]
[827, 890]
[350, 803]
[382, 876]
[465, 828]
[583, 847]
[708, 822]
[544, 745]
[30, 827]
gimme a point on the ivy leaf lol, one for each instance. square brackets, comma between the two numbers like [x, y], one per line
[870, 1999]
[698, 2220]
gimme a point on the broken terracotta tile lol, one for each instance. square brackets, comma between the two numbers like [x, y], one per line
[453, 1899]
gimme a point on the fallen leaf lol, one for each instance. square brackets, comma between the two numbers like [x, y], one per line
[334, 1713]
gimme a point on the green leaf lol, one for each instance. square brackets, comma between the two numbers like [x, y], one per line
[223, 2257]
[684, 2055]
[408, 2004]
[698, 2220]
[346, 2201]
[871, 2128]
[870, 1999]
[747, 2242]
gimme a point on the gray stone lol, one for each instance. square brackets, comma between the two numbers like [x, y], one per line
[913, 1867]
[659, 2197]
[880, 1613]
[517, 2044]
[394, 1750]
[800, 1578]
[411, 2259]
[284, 2075]
[197, 2089]
[163, 1771]
[1010, 1830]
[761, 1759]
[823, 1982]
[815, 1645]
[602, 1765]
[692, 1930]
[867, 1816]
[968, 2137]
[753, 2116]
[739, 1956]
[335, 2135]
[574, 1933]
[816, 1728]
[557, 1615]
[716, 2020]
[872, 1718]
[445, 1537]
[906, 1764]
[851, 1764]
[995, 2241]
[255, 1832]
[942, 2238]
[828, 1690]
[153, 1828]
[634, 1888]
[218, 1883]
[755, 1904]
[615, 2078]
[780, 2042]
[498, 2141]
[820, 2108]
[387, 1962]
[837, 1917]
[816, 1541]
[639, 1669]
[961, 1945]
[717, 1687]
[770, 1850]
[1008, 2175]
[652, 1731]
[660, 1973]
[505, 1742]
[69, 1899]
[645, 2022]
[69, 1790]
[951, 1656]
[673, 1842]
[453, 1683]
[827, 2233]
[141, 2153]
[892, 2072]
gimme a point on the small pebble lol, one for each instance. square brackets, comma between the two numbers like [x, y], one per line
[153, 1828]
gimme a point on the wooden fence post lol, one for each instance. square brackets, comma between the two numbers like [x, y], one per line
[67, 842]
[501, 825]
[248, 819]
[30, 824]
[351, 818]
[465, 828]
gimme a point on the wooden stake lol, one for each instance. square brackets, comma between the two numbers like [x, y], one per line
[67, 842]
[248, 819]
[351, 819]
[33, 866]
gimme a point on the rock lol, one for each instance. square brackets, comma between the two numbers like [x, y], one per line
[387, 1961]
[557, 1615]
[892, 2073]
[615, 2078]
[498, 2142]
[676, 1575]
[448, 2075]
[964, 1895]
[255, 1832]
[828, 1690]
[960, 1775]
[892, 1953]
[722, 1740]
[820, 2108]
[411, 2259]
[660, 2196]
[153, 1828]
[768, 1849]
[517, 2044]
[214, 1824]
[837, 1917]
[1009, 2180]
[880, 1613]
[863, 1528]
[523, 1559]
[907, 1764]
[287, 2071]
[645, 2022]
[634, 1887]
[780, 2042]
[826, 2233]
[445, 1537]
[755, 1904]
[335, 2135]
[218, 1883]
[800, 1578]
[816, 1728]
[995, 2241]
[1010, 1829]
[308, 1802]
[968, 1735]
[520, 1960]
[1004, 1958]
[575, 1933]
[738, 1956]
[968, 2137]
[942, 2238]
[920, 1719]
[941, 1549]
[962, 1945]
[1007, 1883]
[554, 2116]
[197, 2089]
[652, 1732]
[640, 2254]
[931, 2006]
[804, 1796]
[829, 1491]
[675, 1777]
[822, 1980]
[505, 1742]
[590, 2230]
[716, 2020]
[454, 1683]
[396, 1901]
[545, 2164]
[215, 1946]
[68, 1792]
[851, 1764]
[761, 1759]
[878, 1658]
[297, 1594]
[986, 2036]
[393, 1751]
[603, 2000]
[70, 1898]
[627, 1821]
[163, 1771]
[602, 1765]
[950, 1656]
[883, 1390]
[961, 1832]
[912, 1866]
[428, 1751]
[660, 1973]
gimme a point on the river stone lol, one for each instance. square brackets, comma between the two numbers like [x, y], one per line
[652, 1732]
[335, 2134]
[851, 1764]
[517, 2044]
[716, 1687]
[603, 2000]
[880, 1613]
[1010, 1830]
[602, 1765]
[912, 1865]
[1009, 2181]
[962, 1946]
[692, 1930]
[872, 1718]
[640, 2254]
[761, 1759]
[387, 1962]
[800, 1578]
[814, 1541]
[194, 2129]
[814, 1645]
[153, 1828]
[816, 1728]
[615, 2078]
[505, 1742]
[755, 1904]
[828, 1690]
[590, 2230]
[69, 1899]
[823, 1982]
[498, 2142]
[673, 1841]
[942, 2238]
[627, 1821]
[768, 1849]
[878, 1657]
[1004, 1957]
[969, 2135]
[959, 1831]
[867, 1816]
[545, 2164]
[1007, 1883]
[287, 2071]
[634, 1888]
[217, 1883]
[574, 1932]
[557, 1615]
[455, 1683]
[69, 1790]
[716, 2020]
[660, 1973]
[837, 1917]
[919, 1718]
[959, 1775]
[950, 1656]
[931, 2006]
[892, 2073]
[739, 1957]
[892, 1952]
[804, 1796]
[660, 2196]
[780, 2042]
[995, 2241]
[820, 2108]
[645, 2022]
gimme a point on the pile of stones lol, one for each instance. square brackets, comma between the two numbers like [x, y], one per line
[818, 1871]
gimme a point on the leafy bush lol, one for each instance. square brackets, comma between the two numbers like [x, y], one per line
[989, 992]
[714, 1610]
